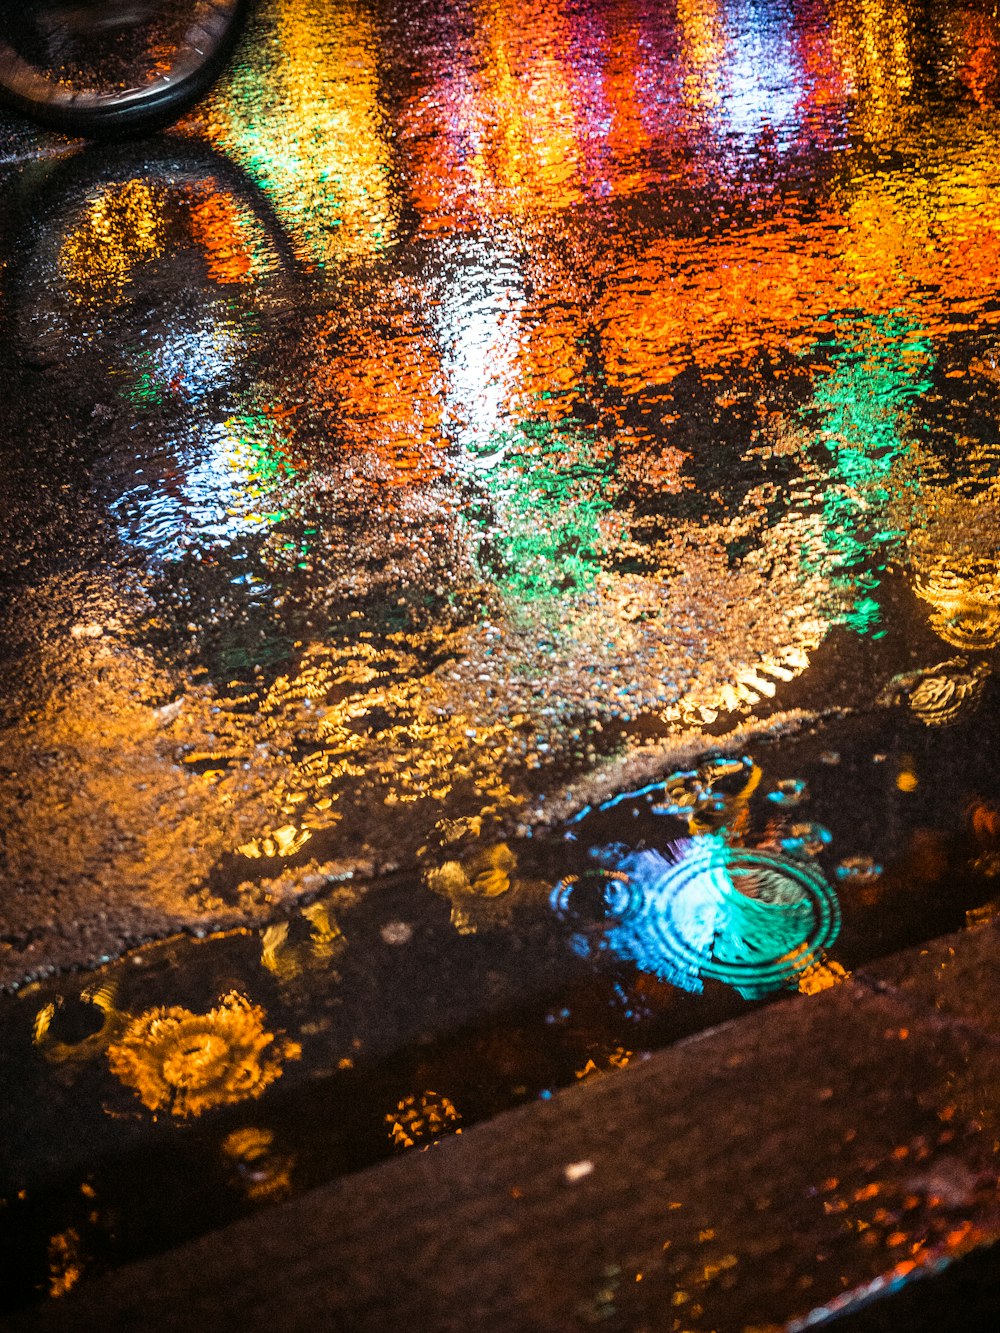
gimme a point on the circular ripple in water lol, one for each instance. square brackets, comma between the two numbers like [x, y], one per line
[748, 918]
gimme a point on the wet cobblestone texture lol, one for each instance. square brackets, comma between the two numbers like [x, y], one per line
[784, 1168]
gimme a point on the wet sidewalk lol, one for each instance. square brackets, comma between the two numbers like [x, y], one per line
[786, 1168]
[501, 571]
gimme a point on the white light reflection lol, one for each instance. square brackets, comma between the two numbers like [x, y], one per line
[477, 322]
[763, 82]
[743, 76]
[201, 492]
[192, 360]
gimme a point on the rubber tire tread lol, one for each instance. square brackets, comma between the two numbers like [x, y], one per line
[59, 108]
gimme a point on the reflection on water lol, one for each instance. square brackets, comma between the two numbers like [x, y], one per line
[479, 409]
[65, 1267]
[422, 1117]
[938, 694]
[416, 1007]
[304, 120]
[121, 228]
[624, 423]
[714, 795]
[704, 909]
[188, 1063]
[288, 952]
[80, 1030]
[263, 1172]
[965, 599]
[857, 869]
[479, 879]
[485, 874]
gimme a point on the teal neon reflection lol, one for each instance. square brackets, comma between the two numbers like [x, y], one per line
[879, 370]
[708, 911]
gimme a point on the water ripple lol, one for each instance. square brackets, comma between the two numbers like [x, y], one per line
[704, 910]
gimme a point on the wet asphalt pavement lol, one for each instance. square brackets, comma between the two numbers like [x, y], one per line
[501, 571]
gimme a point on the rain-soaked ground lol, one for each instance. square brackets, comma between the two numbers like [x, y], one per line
[500, 520]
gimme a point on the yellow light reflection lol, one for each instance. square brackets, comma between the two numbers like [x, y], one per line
[530, 156]
[702, 26]
[112, 1020]
[260, 1171]
[288, 959]
[964, 596]
[874, 40]
[482, 886]
[123, 227]
[65, 1262]
[617, 1058]
[189, 1063]
[821, 974]
[423, 1116]
[314, 136]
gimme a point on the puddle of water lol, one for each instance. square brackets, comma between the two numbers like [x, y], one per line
[193, 1081]
[470, 408]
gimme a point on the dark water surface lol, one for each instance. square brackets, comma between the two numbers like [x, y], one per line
[501, 543]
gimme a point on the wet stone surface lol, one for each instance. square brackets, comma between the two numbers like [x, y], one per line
[959, 977]
[193, 1081]
[842, 1146]
[500, 572]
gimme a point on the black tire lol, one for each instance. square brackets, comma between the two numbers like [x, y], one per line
[201, 56]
